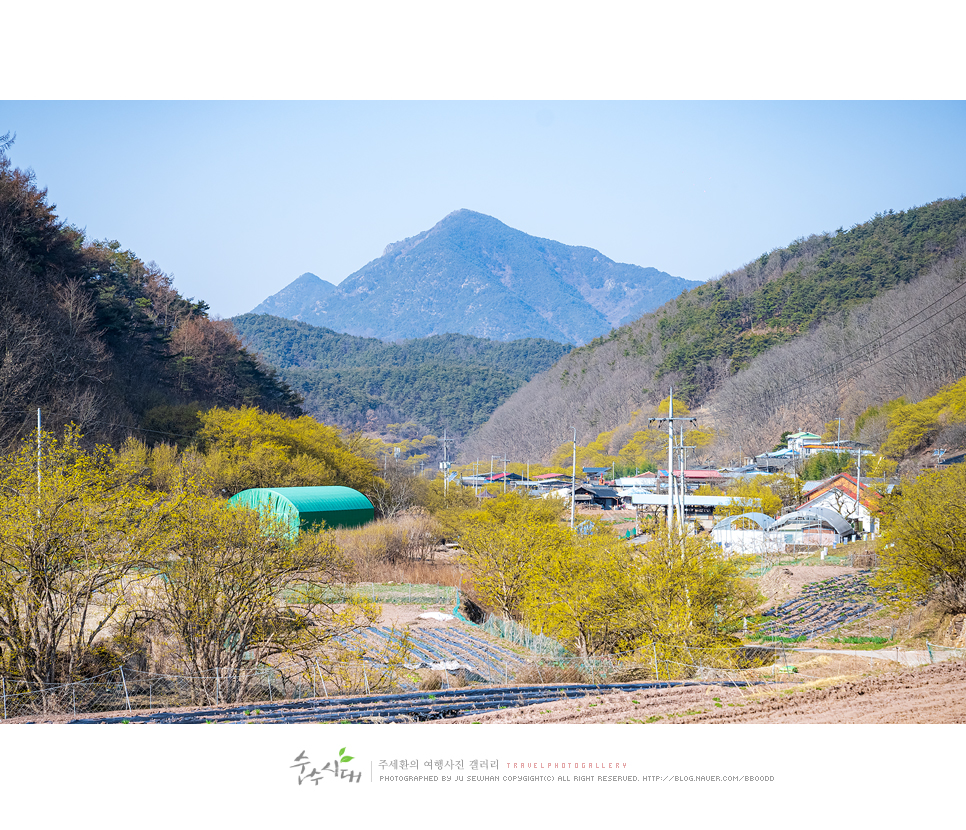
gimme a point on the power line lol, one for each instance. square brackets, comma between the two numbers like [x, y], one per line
[833, 370]
[842, 363]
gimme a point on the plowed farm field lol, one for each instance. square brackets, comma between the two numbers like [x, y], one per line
[926, 695]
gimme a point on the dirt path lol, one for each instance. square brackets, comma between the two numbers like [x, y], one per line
[903, 658]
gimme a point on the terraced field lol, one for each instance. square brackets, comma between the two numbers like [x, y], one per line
[451, 649]
[822, 607]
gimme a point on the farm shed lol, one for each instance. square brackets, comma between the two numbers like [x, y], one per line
[306, 507]
[814, 526]
[750, 536]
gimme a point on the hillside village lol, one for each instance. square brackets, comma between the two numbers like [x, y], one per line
[827, 512]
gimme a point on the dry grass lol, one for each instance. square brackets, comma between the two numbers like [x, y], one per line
[539, 674]
[431, 683]
[413, 573]
[405, 549]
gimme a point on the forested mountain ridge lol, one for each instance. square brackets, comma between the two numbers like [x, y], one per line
[445, 382]
[724, 323]
[907, 343]
[91, 334]
[707, 335]
[471, 274]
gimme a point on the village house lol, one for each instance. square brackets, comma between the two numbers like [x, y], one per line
[813, 526]
[797, 442]
[597, 495]
[851, 499]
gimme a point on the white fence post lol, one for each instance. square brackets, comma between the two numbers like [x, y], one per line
[126, 696]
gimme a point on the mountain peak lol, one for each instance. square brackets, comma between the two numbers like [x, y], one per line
[308, 278]
[298, 297]
[472, 274]
[464, 213]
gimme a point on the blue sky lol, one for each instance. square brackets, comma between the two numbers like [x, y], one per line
[236, 199]
[239, 150]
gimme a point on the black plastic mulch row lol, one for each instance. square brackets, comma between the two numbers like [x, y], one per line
[474, 655]
[400, 707]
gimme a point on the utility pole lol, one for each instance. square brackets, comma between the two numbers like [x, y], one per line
[445, 465]
[573, 483]
[684, 466]
[670, 419]
[858, 482]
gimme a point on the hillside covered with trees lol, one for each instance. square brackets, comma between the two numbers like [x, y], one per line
[445, 382]
[745, 348]
[91, 334]
[867, 367]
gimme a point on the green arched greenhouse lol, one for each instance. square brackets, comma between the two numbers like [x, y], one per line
[304, 508]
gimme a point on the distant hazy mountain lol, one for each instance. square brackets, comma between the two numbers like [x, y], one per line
[471, 274]
[305, 292]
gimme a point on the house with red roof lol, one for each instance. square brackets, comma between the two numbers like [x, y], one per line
[851, 499]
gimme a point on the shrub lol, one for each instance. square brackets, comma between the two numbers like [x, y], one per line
[431, 683]
[540, 673]
[922, 552]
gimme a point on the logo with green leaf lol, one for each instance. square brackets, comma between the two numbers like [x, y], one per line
[343, 758]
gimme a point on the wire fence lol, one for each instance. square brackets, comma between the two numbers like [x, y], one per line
[939, 653]
[520, 635]
[126, 690]
[408, 594]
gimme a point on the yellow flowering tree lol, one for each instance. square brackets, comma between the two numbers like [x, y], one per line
[236, 591]
[582, 592]
[77, 530]
[501, 543]
[922, 550]
[247, 447]
[690, 600]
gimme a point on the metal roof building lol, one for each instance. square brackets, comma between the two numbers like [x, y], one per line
[814, 519]
[748, 540]
[764, 522]
[304, 508]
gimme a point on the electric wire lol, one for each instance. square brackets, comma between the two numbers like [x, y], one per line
[834, 370]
